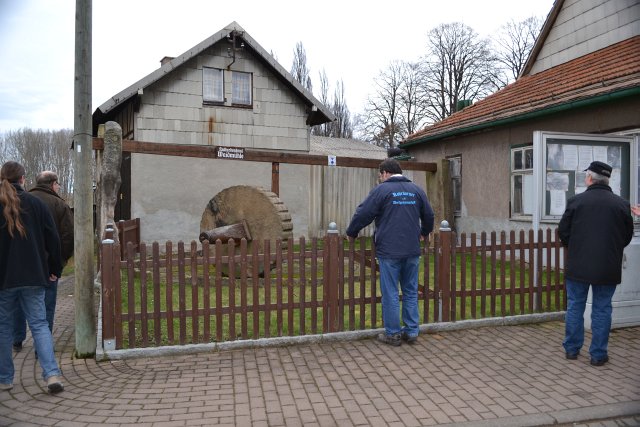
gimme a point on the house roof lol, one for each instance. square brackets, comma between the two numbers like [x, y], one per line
[318, 112]
[343, 147]
[601, 75]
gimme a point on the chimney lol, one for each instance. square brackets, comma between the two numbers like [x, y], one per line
[165, 60]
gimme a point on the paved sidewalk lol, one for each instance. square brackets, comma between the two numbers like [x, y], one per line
[492, 376]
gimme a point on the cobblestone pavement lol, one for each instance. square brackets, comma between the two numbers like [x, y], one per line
[490, 376]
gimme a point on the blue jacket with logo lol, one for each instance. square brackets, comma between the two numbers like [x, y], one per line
[402, 214]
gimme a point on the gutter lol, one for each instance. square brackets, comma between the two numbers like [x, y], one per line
[527, 116]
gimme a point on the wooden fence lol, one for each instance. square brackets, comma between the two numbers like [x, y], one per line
[184, 295]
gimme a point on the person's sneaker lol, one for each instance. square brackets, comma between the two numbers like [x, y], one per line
[599, 362]
[408, 338]
[6, 387]
[17, 346]
[54, 384]
[393, 340]
[572, 356]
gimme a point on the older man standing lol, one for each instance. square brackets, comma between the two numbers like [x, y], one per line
[46, 189]
[595, 227]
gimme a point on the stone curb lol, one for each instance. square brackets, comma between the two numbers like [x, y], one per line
[567, 416]
[103, 354]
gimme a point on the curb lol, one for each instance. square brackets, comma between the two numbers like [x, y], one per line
[102, 354]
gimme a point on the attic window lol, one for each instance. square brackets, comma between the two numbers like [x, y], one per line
[241, 88]
[212, 85]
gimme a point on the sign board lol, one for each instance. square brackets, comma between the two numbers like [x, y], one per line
[230, 153]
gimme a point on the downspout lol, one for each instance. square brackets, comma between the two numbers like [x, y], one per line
[531, 115]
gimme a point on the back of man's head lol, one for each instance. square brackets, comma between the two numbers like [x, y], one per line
[390, 165]
[46, 178]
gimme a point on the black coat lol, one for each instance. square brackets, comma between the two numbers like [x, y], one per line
[62, 216]
[30, 260]
[596, 226]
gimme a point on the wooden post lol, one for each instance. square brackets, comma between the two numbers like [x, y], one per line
[444, 276]
[108, 274]
[85, 331]
[331, 282]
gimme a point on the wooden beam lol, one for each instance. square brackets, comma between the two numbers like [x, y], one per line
[253, 155]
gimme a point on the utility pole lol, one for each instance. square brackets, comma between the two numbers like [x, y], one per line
[83, 186]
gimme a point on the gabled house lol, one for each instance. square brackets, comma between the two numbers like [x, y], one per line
[227, 91]
[583, 76]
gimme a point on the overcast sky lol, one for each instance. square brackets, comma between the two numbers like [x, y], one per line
[350, 40]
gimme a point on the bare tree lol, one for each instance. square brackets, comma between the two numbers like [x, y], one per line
[399, 107]
[458, 67]
[342, 127]
[39, 150]
[325, 128]
[414, 98]
[514, 42]
[380, 123]
[299, 69]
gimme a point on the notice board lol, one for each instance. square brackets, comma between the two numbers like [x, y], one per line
[564, 158]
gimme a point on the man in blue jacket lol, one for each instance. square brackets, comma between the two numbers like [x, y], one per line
[595, 227]
[403, 216]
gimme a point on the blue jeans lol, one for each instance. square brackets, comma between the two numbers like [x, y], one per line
[31, 300]
[19, 322]
[405, 271]
[601, 310]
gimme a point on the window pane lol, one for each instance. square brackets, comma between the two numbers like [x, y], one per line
[212, 85]
[527, 195]
[517, 195]
[456, 186]
[517, 160]
[455, 173]
[241, 92]
[528, 158]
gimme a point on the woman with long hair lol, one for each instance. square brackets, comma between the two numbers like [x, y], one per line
[29, 256]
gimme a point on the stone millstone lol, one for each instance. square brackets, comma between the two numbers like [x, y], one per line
[266, 216]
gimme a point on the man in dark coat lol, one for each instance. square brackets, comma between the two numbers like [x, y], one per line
[595, 227]
[46, 189]
[403, 216]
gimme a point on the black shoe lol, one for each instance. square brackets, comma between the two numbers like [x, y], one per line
[393, 340]
[572, 356]
[408, 338]
[17, 346]
[599, 362]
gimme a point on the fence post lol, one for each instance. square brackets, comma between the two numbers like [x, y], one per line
[331, 259]
[108, 276]
[444, 276]
[108, 234]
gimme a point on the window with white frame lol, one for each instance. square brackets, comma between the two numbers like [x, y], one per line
[455, 174]
[212, 85]
[241, 88]
[522, 197]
